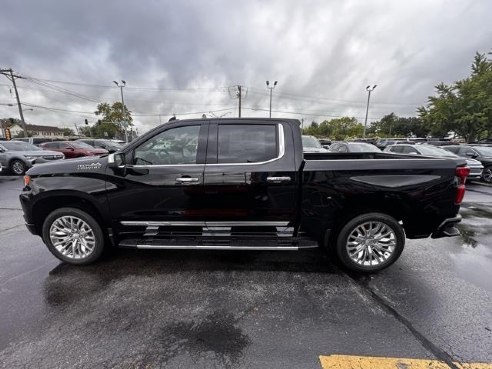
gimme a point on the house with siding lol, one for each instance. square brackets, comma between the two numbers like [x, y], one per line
[37, 130]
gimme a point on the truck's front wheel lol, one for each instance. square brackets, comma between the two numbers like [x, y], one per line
[73, 236]
[370, 242]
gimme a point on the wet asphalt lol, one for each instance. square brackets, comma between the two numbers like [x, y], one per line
[207, 309]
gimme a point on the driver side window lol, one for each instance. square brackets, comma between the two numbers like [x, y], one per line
[174, 146]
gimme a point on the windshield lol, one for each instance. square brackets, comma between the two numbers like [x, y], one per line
[109, 143]
[362, 147]
[428, 150]
[310, 141]
[82, 145]
[19, 146]
[483, 151]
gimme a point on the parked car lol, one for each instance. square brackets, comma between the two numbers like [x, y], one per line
[480, 153]
[325, 142]
[19, 156]
[311, 144]
[242, 184]
[109, 145]
[38, 140]
[73, 149]
[383, 142]
[440, 143]
[476, 168]
[353, 147]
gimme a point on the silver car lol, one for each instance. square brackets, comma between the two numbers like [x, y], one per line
[475, 166]
[18, 156]
[311, 144]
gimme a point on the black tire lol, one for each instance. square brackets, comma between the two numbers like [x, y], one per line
[382, 251]
[97, 236]
[18, 167]
[487, 174]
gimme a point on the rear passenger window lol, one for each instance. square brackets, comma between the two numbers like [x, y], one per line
[396, 149]
[246, 143]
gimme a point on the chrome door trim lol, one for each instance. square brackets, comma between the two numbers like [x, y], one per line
[222, 247]
[203, 223]
[278, 179]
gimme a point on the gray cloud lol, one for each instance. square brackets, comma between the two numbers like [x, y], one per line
[322, 53]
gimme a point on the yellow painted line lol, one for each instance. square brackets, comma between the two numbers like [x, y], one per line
[371, 362]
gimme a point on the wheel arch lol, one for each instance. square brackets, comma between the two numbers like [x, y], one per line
[359, 206]
[48, 202]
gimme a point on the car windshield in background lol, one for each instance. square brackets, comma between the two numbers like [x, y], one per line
[484, 151]
[428, 150]
[81, 145]
[362, 147]
[19, 146]
[109, 143]
[310, 141]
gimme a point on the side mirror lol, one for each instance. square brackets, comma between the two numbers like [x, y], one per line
[116, 160]
[471, 155]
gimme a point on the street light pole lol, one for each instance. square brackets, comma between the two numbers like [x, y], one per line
[123, 84]
[369, 89]
[271, 91]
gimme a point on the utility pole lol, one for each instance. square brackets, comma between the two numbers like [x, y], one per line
[236, 92]
[239, 94]
[369, 89]
[271, 91]
[12, 78]
[123, 84]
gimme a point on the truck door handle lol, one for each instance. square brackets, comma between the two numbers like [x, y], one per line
[186, 180]
[278, 179]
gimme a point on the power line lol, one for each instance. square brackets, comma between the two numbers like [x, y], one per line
[133, 114]
[314, 114]
[62, 90]
[224, 88]
[290, 96]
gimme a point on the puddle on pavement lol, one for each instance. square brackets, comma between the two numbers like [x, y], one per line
[216, 335]
[476, 212]
[473, 257]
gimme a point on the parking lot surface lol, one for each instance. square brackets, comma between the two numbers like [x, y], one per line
[210, 309]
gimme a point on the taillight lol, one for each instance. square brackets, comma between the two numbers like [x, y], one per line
[461, 174]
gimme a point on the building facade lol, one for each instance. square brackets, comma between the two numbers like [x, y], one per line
[37, 130]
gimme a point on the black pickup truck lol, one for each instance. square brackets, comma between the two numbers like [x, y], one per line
[242, 184]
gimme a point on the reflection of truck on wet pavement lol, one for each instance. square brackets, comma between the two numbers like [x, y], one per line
[242, 184]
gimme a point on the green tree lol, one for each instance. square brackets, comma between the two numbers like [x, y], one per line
[392, 125]
[338, 128]
[112, 121]
[68, 132]
[464, 107]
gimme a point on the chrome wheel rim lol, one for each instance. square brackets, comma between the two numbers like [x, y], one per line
[371, 243]
[17, 167]
[487, 175]
[72, 237]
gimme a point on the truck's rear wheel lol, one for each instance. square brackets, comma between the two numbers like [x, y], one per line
[370, 242]
[73, 236]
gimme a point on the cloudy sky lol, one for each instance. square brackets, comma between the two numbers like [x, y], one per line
[185, 57]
